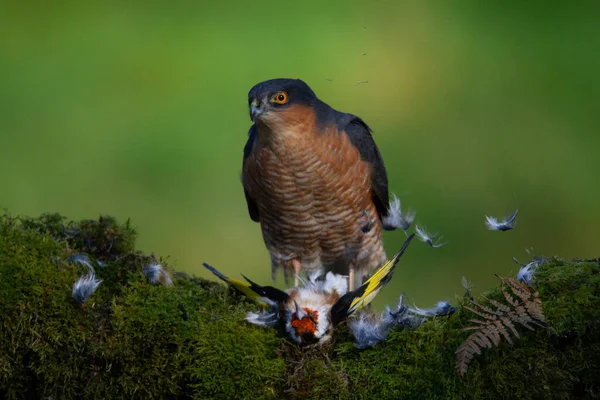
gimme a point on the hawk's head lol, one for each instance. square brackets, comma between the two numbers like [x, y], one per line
[268, 99]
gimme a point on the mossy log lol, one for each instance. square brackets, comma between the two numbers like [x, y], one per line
[136, 340]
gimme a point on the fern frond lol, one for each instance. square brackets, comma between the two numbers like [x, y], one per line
[476, 321]
[498, 305]
[529, 299]
[484, 308]
[523, 307]
[482, 312]
[508, 323]
[521, 291]
[499, 324]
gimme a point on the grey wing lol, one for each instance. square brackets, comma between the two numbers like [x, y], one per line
[252, 206]
[360, 136]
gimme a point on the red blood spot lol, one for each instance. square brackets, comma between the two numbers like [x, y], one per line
[306, 324]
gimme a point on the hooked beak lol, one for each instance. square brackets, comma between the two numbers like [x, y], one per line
[255, 110]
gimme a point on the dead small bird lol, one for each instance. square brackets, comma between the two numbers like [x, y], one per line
[506, 224]
[425, 237]
[309, 314]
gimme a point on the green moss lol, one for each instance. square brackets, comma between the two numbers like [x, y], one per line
[136, 340]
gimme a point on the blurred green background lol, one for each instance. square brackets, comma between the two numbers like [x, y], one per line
[139, 109]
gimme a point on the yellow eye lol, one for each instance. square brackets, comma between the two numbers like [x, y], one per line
[280, 98]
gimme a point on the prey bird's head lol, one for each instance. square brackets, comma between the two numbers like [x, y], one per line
[304, 325]
[306, 316]
[267, 98]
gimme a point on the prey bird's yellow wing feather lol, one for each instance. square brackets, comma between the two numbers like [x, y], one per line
[359, 298]
[375, 283]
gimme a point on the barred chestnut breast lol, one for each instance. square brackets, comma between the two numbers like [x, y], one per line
[312, 176]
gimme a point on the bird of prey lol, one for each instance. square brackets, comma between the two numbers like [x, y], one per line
[310, 174]
[309, 314]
